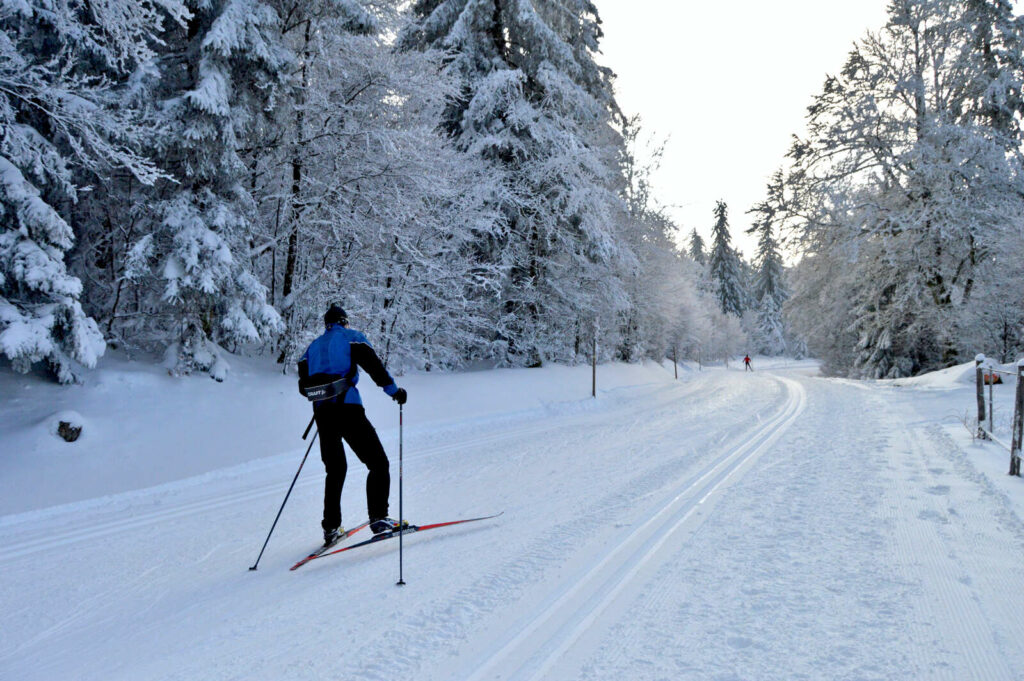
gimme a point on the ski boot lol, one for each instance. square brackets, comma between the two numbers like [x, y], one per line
[382, 525]
[333, 535]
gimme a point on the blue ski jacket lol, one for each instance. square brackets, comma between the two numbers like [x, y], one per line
[339, 352]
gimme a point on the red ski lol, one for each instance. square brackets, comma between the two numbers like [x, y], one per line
[409, 529]
[320, 551]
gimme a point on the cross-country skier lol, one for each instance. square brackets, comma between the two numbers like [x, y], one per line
[329, 368]
[746, 364]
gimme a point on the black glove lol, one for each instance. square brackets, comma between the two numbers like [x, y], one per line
[400, 396]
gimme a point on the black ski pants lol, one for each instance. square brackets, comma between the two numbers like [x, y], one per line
[348, 422]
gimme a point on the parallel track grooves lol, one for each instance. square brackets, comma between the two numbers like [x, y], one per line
[581, 599]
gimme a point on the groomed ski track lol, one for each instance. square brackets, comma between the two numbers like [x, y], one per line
[730, 526]
[544, 639]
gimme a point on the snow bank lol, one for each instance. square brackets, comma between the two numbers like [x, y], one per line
[953, 377]
[944, 379]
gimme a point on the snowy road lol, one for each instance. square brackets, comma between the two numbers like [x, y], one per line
[730, 526]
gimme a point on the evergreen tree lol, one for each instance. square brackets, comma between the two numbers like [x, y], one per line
[191, 283]
[697, 248]
[539, 110]
[63, 69]
[769, 288]
[319, 176]
[724, 266]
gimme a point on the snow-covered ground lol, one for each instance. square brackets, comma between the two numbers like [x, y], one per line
[728, 525]
[144, 428]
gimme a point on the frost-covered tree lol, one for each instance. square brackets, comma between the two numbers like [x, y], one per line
[363, 198]
[769, 285]
[993, 323]
[909, 177]
[320, 175]
[661, 284]
[466, 195]
[186, 281]
[310, 114]
[697, 252]
[709, 334]
[724, 266]
[537, 108]
[63, 67]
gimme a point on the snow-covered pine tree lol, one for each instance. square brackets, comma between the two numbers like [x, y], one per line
[910, 175]
[697, 252]
[191, 285]
[724, 266]
[538, 109]
[769, 286]
[62, 69]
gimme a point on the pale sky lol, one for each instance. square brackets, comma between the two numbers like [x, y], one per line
[728, 83]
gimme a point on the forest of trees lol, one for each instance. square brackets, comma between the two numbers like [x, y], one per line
[905, 195]
[193, 178]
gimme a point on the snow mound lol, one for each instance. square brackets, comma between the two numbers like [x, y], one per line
[70, 419]
[953, 377]
[941, 380]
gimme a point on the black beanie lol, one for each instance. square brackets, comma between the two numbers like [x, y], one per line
[335, 315]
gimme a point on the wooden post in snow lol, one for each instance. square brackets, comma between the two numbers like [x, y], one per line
[675, 362]
[593, 375]
[980, 385]
[1018, 422]
[991, 403]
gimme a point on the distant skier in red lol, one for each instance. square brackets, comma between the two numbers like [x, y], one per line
[746, 364]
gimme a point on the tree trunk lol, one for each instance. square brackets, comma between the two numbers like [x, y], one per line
[296, 212]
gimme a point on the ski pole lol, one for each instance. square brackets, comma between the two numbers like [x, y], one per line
[401, 516]
[290, 487]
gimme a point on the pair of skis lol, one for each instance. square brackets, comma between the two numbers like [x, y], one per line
[407, 529]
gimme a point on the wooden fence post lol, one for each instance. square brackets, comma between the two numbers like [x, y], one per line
[675, 362]
[1018, 422]
[991, 403]
[980, 384]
